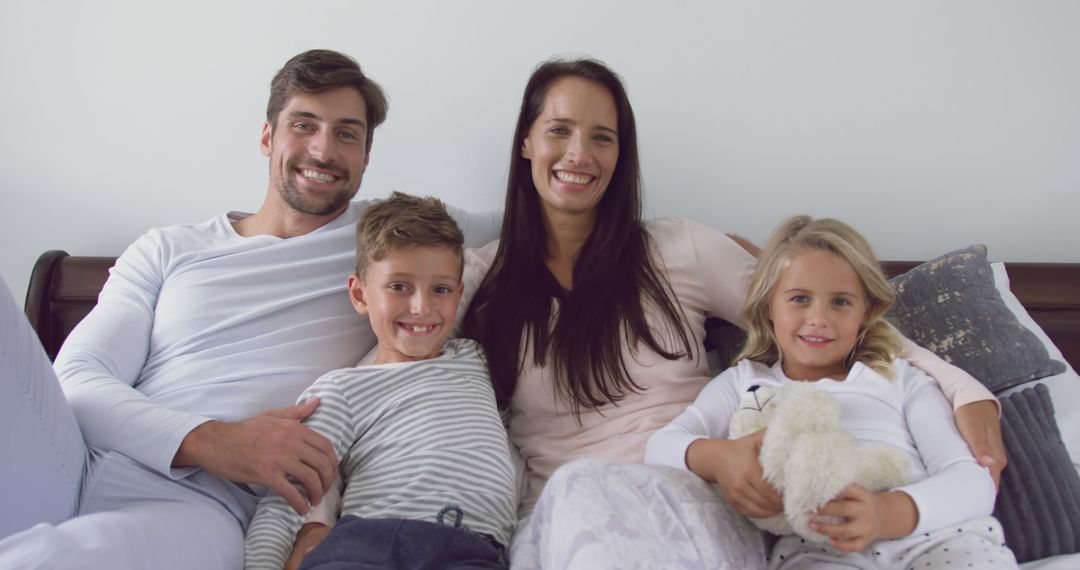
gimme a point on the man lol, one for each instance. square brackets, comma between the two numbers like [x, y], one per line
[199, 331]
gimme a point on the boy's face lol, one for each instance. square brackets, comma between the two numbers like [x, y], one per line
[411, 298]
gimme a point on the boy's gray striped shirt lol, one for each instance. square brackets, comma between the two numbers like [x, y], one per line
[410, 438]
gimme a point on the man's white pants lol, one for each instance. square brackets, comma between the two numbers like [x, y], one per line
[65, 506]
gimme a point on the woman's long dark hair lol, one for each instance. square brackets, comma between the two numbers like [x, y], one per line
[616, 279]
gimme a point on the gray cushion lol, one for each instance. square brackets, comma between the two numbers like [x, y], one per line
[950, 306]
[1039, 502]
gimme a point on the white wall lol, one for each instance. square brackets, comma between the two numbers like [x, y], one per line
[930, 125]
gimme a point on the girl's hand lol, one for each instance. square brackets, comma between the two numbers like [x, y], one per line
[866, 517]
[310, 536]
[733, 465]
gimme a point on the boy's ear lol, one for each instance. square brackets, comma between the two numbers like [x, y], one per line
[356, 294]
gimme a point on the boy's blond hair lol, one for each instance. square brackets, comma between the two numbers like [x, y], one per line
[402, 222]
[877, 346]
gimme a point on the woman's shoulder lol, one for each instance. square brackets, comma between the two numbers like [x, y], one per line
[670, 227]
[701, 249]
[685, 232]
[671, 237]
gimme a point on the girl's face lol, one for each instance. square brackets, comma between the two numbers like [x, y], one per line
[573, 146]
[817, 309]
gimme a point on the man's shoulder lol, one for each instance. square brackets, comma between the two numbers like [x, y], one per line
[217, 225]
[352, 213]
[160, 244]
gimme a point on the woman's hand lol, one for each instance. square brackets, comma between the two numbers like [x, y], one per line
[866, 517]
[310, 536]
[733, 465]
[980, 426]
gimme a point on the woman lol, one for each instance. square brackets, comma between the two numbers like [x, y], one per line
[593, 320]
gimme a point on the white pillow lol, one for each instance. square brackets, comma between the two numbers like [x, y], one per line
[1064, 388]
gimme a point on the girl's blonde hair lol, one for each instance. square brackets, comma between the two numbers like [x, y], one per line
[878, 344]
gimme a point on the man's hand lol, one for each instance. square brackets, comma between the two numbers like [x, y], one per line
[266, 450]
[310, 536]
[733, 465]
[865, 517]
[980, 427]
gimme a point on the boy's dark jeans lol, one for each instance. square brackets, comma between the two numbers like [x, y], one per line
[357, 543]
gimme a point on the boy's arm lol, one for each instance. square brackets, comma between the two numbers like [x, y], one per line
[270, 535]
[328, 510]
[320, 519]
[273, 530]
[310, 536]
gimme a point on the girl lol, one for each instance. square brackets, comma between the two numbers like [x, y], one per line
[815, 312]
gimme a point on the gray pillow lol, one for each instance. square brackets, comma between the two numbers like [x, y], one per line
[950, 306]
[1039, 501]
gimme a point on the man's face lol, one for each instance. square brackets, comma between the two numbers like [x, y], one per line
[317, 150]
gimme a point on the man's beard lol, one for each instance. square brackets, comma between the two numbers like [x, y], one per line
[315, 203]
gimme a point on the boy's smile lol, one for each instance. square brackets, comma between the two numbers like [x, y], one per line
[411, 297]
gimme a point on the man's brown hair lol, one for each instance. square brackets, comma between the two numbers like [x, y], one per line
[321, 70]
[401, 222]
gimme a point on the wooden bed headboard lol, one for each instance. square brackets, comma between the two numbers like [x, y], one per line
[63, 289]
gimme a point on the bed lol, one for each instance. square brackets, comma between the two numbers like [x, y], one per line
[1039, 504]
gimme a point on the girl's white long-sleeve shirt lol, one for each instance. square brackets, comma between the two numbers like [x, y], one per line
[908, 413]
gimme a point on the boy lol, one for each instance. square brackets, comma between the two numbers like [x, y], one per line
[423, 452]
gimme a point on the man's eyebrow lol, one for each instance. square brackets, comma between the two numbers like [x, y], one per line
[345, 121]
[305, 114]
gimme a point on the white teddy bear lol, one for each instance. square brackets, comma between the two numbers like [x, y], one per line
[807, 457]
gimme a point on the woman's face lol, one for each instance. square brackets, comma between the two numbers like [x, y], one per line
[573, 146]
